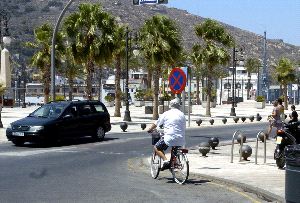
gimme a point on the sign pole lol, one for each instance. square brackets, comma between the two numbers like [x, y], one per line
[190, 89]
[183, 101]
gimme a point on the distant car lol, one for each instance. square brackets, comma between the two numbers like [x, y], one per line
[61, 119]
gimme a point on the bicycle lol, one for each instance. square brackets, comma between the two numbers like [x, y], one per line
[179, 164]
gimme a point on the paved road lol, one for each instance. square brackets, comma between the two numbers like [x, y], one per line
[109, 171]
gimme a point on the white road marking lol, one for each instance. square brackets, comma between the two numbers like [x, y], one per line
[36, 152]
[119, 140]
[110, 153]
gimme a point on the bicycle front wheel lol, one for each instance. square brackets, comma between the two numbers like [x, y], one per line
[180, 168]
[155, 165]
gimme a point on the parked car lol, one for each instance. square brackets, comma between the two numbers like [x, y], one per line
[61, 119]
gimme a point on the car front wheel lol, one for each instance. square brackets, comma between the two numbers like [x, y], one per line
[100, 134]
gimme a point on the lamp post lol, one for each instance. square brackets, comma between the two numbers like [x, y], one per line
[234, 60]
[53, 48]
[135, 52]
[4, 39]
[127, 112]
[248, 87]
[232, 111]
[4, 18]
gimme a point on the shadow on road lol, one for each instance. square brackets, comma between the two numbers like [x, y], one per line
[190, 181]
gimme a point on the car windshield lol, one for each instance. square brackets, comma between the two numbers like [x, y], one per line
[49, 110]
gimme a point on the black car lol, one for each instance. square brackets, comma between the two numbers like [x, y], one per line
[61, 119]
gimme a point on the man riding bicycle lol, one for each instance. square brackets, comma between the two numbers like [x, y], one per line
[174, 124]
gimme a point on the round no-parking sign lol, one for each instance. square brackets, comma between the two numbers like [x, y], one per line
[177, 80]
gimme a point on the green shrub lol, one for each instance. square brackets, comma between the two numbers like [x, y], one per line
[109, 98]
[139, 95]
[260, 99]
[148, 95]
[165, 97]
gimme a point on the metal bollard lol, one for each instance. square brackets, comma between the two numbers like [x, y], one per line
[265, 147]
[233, 137]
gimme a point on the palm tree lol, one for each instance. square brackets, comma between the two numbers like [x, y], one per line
[160, 44]
[71, 70]
[197, 59]
[119, 53]
[42, 56]
[286, 74]
[214, 51]
[252, 65]
[91, 35]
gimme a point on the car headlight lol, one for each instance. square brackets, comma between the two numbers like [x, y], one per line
[35, 128]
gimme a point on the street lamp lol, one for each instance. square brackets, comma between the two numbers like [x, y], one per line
[127, 112]
[4, 18]
[135, 52]
[234, 60]
[53, 48]
[4, 39]
[248, 86]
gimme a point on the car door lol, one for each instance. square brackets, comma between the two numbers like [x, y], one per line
[101, 116]
[85, 119]
[70, 121]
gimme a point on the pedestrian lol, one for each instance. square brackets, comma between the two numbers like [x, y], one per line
[281, 109]
[274, 118]
[294, 115]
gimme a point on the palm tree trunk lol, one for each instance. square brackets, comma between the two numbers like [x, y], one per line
[202, 83]
[209, 87]
[280, 90]
[47, 84]
[90, 67]
[155, 96]
[285, 97]
[118, 91]
[198, 90]
[71, 84]
[149, 79]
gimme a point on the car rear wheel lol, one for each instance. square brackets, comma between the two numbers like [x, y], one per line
[18, 142]
[100, 134]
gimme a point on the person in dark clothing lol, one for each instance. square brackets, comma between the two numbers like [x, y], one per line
[293, 115]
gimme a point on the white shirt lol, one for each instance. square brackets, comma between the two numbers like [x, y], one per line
[174, 127]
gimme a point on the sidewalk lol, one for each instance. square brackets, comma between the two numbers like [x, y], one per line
[264, 179]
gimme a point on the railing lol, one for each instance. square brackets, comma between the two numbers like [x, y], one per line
[265, 146]
[232, 146]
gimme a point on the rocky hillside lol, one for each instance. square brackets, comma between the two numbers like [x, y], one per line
[27, 14]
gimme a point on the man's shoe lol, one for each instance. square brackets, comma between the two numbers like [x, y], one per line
[166, 165]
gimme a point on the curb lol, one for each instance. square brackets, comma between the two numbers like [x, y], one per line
[261, 193]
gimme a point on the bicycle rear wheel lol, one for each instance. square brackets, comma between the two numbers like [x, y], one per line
[180, 168]
[155, 165]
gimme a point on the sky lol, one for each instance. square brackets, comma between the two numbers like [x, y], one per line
[279, 18]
